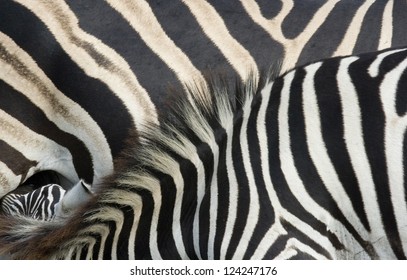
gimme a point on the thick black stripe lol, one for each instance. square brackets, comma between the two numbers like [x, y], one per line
[141, 246]
[334, 28]
[264, 50]
[206, 155]
[369, 36]
[123, 243]
[107, 249]
[269, 9]
[189, 204]
[331, 118]
[32, 117]
[94, 96]
[14, 159]
[165, 237]
[223, 190]
[401, 96]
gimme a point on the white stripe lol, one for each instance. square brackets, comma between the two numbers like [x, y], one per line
[216, 30]
[386, 34]
[356, 149]
[116, 73]
[395, 129]
[349, 40]
[59, 109]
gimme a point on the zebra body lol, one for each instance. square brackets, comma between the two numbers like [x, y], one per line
[84, 75]
[37, 204]
[47, 202]
[309, 165]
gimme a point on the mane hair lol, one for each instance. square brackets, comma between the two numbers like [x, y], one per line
[211, 105]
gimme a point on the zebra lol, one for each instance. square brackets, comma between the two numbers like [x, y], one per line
[308, 165]
[38, 204]
[76, 78]
[47, 202]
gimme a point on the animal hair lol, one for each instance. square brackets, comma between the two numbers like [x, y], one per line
[149, 153]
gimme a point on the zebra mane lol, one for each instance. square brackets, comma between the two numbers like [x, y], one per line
[211, 105]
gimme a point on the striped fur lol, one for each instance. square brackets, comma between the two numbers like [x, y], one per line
[308, 166]
[38, 204]
[84, 75]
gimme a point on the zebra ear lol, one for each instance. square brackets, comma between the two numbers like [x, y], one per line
[74, 198]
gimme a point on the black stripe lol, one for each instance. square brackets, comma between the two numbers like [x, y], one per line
[223, 190]
[399, 23]
[269, 9]
[188, 206]
[141, 244]
[165, 237]
[14, 160]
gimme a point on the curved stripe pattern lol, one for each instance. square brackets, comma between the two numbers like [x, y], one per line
[309, 165]
[87, 74]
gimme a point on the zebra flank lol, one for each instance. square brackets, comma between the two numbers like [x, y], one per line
[308, 165]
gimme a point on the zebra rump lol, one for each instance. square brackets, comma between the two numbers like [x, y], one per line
[309, 165]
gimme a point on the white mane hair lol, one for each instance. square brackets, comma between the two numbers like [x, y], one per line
[210, 105]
